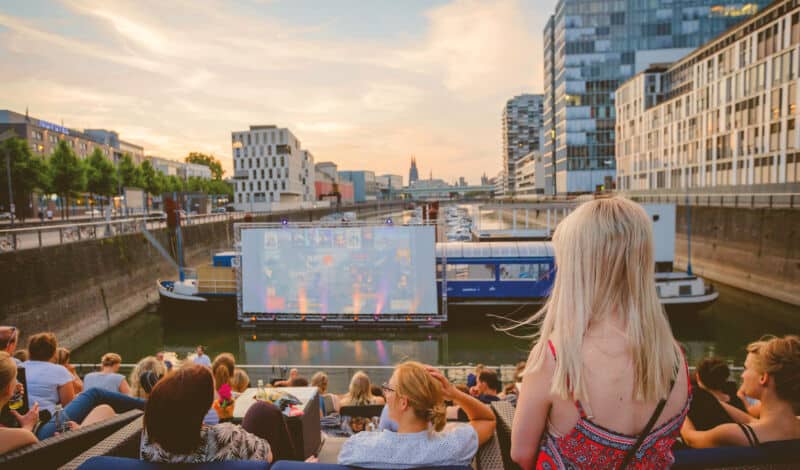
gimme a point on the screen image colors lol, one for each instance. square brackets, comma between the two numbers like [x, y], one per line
[357, 270]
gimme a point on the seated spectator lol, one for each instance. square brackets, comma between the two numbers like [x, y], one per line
[240, 380]
[173, 424]
[771, 375]
[293, 374]
[62, 359]
[706, 411]
[320, 380]
[415, 395]
[222, 369]
[146, 364]
[360, 392]
[21, 355]
[9, 335]
[377, 392]
[472, 378]
[298, 382]
[48, 384]
[89, 407]
[488, 387]
[201, 358]
[109, 377]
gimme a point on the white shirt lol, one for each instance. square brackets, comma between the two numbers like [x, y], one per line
[456, 445]
[203, 360]
[43, 380]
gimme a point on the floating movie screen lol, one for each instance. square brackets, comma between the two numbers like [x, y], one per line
[358, 270]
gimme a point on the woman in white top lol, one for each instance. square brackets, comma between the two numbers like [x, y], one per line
[109, 377]
[415, 396]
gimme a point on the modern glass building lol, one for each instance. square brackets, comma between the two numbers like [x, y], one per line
[591, 48]
[522, 126]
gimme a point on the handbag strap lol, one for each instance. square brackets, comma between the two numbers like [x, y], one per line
[632, 451]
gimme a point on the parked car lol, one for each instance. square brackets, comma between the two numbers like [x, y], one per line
[218, 210]
[5, 216]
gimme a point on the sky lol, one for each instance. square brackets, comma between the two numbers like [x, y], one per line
[366, 84]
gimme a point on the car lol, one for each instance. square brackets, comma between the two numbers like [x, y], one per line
[5, 216]
[218, 210]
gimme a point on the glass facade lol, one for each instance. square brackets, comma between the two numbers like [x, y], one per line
[522, 125]
[591, 48]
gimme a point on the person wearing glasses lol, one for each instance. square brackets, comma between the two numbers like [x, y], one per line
[415, 397]
[8, 341]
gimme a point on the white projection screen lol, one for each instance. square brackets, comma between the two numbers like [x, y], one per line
[367, 270]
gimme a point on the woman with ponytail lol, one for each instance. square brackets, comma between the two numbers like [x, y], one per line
[415, 397]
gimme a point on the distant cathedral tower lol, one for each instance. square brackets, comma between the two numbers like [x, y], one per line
[413, 175]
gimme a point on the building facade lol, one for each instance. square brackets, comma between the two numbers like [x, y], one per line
[522, 126]
[121, 147]
[271, 169]
[591, 48]
[169, 167]
[389, 186]
[723, 116]
[365, 187]
[529, 175]
[327, 184]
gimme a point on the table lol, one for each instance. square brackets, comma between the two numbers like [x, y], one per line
[305, 429]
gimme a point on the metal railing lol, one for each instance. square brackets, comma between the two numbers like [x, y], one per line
[46, 235]
[752, 201]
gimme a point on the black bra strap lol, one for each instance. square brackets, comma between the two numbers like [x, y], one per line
[632, 451]
[749, 434]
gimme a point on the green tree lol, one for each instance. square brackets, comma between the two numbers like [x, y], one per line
[152, 183]
[221, 188]
[130, 175]
[207, 160]
[101, 176]
[67, 174]
[28, 174]
[175, 184]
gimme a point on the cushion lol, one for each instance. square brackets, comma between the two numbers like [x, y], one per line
[123, 463]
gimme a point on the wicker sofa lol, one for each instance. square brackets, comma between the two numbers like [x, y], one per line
[57, 450]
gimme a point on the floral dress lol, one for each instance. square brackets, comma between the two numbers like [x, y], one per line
[225, 441]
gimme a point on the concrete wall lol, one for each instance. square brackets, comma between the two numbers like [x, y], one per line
[757, 250]
[79, 290]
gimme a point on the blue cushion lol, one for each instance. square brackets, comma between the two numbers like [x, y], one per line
[122, 463]
[776, 452]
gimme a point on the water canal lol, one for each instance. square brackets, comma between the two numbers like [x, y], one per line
[724, 329]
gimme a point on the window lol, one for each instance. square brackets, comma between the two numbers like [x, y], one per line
[262, 173]
[270, 173]
[525, 272]
[791, 134]
[258, 185]
[467, 272]
[283, 185]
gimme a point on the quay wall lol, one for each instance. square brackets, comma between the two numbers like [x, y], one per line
[757, 250]
[79, 290]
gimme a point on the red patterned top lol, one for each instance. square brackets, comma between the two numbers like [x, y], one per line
[590, 446]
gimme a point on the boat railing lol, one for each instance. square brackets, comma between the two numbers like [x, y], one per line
[217, 286]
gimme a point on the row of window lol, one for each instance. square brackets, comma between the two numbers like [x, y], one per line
[242, 186]
[241, 163]
[486, 272]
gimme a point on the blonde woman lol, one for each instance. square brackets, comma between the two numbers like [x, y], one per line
[359, 392]
[62, 359]
[605, 362]
[320, 380]
[771, 375]
[109, 377]
[144, 376]
[415, 398]
[240, 380]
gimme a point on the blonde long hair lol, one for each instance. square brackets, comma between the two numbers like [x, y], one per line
[359, 392]
[148, 363]
[605, 262]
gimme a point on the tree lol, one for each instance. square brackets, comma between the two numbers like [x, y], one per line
[28, 173]
[130, 175]
[67, 174]
[101, 176]
[174, 184]
[150, 178]
[207, 160]
[220, 188]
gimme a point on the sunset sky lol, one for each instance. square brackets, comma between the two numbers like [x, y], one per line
[363, 83]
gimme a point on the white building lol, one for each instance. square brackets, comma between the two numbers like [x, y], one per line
[529, 174]
[169, 167]
[722, 116]
[271, 170]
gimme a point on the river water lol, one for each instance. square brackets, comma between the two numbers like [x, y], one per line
[724, 329]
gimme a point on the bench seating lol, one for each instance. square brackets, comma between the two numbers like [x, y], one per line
[57, 450]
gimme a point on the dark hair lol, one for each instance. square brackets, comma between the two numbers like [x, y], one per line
[299, 382]
[376, 390]
[174, 413]
[148, 379]
[713, 372]
[42, 346]
[489, 377]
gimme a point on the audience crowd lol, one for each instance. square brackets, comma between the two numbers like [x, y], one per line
[604, 375]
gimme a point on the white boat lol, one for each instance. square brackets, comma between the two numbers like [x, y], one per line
[681, 291]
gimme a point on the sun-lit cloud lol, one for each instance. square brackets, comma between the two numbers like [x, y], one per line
[179, 76]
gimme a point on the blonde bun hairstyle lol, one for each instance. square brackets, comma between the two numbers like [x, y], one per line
[423, 392]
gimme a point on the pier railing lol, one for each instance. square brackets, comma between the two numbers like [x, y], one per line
[744, 200]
